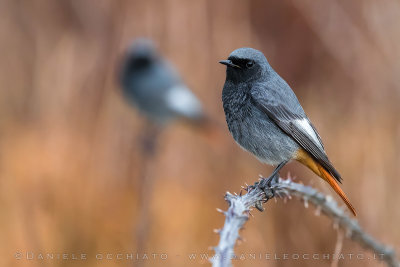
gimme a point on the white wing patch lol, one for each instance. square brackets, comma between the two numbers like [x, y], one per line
[183, 102]
[305, 125]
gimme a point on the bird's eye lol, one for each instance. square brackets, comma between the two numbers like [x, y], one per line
[249, 64]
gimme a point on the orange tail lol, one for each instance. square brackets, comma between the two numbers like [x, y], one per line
[306, 159]
[334, 184]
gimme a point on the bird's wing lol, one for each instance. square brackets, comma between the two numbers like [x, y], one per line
[295, 125]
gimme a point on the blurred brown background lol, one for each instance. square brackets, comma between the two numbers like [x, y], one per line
[70, 159]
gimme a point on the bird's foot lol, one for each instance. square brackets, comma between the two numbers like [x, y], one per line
[266, 184]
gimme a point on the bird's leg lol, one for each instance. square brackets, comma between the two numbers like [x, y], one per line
[275, 174]
[266, 183]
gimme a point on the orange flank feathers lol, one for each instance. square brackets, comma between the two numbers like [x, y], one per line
[305, 158]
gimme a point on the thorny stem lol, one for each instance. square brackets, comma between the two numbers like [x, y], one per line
[259, 193]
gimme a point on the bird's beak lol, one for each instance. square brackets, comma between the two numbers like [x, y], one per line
[229, 64]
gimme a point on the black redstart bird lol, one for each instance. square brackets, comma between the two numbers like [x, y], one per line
[265, 118]
[152, 84]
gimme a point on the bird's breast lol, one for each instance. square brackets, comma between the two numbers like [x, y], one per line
[255, 132]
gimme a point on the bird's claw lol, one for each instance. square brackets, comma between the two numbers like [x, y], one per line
[266, 185]
[259, 206]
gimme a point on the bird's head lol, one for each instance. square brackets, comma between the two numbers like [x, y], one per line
[245, 64]
[141, 55]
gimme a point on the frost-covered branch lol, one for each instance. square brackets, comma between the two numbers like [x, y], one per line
[259, 193]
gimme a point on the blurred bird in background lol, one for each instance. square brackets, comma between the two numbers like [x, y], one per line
[155, 88]
[152, 85]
